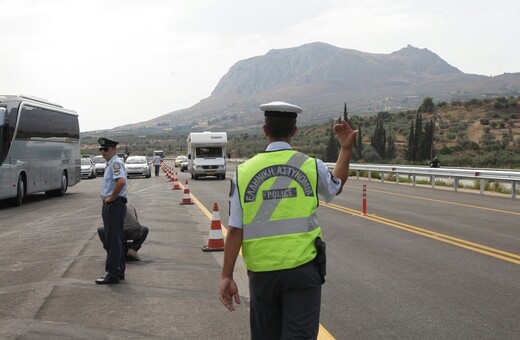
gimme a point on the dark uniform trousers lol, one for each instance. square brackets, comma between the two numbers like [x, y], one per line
[113, 215]
[285, 304]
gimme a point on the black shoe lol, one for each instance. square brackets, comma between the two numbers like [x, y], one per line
[107, 280]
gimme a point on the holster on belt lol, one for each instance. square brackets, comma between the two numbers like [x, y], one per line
[321, 258]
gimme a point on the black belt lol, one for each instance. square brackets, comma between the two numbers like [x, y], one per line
[123, 199]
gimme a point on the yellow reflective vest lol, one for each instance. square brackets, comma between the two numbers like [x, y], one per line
[278, 195]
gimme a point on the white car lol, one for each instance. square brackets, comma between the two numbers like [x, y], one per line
[138, 166]
[99, 164]
[87, 168]
[179, 160]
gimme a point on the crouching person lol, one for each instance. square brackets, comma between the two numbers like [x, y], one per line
[134, 234]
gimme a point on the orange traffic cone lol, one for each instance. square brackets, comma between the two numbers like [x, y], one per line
[186, 198]
[176, 185]
[216, 239]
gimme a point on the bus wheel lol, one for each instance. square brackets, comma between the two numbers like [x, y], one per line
[20, 192]
[63, 187]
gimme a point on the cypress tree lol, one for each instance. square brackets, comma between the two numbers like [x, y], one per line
[410, 152]
[425, 144]
[390, 150]
[378, 140]
[332, 149]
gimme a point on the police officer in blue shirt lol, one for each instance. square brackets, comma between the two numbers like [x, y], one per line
[273, 202]
[113, 197]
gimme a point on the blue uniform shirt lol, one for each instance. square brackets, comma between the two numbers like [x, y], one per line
[115, 169]
[328, 187]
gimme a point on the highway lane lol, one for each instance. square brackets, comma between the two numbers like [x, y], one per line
[385, 279]
[423, 263]
[50, 255]
[399, 284]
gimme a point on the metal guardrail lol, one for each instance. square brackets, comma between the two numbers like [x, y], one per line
[510, 176]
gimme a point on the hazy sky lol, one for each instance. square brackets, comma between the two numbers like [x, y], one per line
[117, 62]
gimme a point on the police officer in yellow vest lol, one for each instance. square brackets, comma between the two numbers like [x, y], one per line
[273, 202]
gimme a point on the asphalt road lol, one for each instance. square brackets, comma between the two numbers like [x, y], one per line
[421, 264]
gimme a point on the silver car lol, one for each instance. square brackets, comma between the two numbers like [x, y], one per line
[99, 164]
[184, 166]
[87, 168]
[138, 166]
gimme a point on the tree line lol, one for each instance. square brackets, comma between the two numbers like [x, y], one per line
[450, 136]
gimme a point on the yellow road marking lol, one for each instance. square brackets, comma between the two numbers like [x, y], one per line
[479, 248]
[444, 202]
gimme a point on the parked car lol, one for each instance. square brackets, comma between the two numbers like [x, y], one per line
[179, 160]
[99, 164]
[184, 166]
[121, 156]
[87, 168]
[138, 166]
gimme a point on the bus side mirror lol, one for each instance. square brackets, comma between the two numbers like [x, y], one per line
[2, 116]
[189, 156]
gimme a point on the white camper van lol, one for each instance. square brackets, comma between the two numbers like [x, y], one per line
[207, 152]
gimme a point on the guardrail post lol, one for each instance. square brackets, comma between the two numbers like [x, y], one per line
[481, 186]
[397, 178]
[432, 178]
[513, 189]
[364, 199]
[369, 175]
[382, 175]
[414, 180]
[357, 174]
[456, 184]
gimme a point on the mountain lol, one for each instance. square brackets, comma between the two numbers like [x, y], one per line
[321, 78]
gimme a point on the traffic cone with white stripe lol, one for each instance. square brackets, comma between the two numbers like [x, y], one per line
[216, 239]
[176, 185]
[186, 198]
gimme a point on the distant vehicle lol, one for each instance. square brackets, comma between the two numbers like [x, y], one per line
[39, 148]
[184, 165]
[138, 166]
[179, 160]
[207, 152]
[88, 169]
[85, 156]
[159, 152]
[99, 164]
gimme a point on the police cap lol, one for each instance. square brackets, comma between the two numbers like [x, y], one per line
[280, 109]
[106, 143]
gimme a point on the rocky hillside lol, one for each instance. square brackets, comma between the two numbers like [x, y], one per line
[321, 78]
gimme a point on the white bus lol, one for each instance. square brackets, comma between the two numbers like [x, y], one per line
[39, 148]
